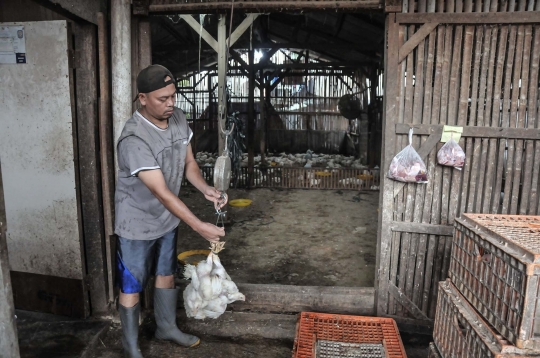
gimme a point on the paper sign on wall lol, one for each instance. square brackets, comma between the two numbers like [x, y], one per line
[12, 44]
[451, 132]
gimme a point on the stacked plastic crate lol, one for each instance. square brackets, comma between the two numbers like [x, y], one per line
[489, 306]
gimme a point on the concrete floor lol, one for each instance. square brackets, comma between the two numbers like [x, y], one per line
[233, 335]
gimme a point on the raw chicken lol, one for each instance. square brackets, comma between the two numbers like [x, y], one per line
[451, 155]
[211, 288]
[407, 166]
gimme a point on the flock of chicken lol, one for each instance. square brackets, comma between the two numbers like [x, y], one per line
[308, 160]
[210, 290]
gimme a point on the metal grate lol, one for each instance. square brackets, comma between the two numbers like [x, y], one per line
[314, 328]
[498, 276]
[330, 349]
[460, 332]
[523, 231]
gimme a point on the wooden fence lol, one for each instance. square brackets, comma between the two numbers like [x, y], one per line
[470, 69]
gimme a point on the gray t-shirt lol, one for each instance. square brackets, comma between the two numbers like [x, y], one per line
[144, 146]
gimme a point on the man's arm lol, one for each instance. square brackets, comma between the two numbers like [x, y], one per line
[193, 174]
[154, 180]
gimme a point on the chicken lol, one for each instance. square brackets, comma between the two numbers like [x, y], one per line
[211, 288]
[235, 297]
[218, 269]
[192, 301]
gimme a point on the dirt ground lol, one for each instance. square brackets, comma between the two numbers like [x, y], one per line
[295, 237]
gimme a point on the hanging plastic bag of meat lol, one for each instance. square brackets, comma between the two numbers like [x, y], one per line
[407, 166]
[451, 155]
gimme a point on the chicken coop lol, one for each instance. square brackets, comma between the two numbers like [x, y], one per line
[304, 92]
[312, 101]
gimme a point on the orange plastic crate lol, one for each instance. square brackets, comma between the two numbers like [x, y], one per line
[314, 327]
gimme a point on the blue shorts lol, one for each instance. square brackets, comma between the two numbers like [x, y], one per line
[136, 260]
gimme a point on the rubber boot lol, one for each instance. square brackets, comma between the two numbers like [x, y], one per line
[130, 330]
[165, 311]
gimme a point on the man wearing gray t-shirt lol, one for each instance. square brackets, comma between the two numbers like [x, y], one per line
[154, 152]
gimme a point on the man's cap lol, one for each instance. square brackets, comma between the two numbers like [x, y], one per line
[153, 78]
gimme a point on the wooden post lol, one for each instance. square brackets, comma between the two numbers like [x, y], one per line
[384, 244]
[106, 149]
[89, 172]
[9, 343]
[222, 77]
[262, 110]
[251, 118]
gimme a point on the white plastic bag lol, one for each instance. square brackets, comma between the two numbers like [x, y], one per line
[451, 155]
[407, 166]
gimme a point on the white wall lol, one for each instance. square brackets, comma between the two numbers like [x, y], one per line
[36, 150]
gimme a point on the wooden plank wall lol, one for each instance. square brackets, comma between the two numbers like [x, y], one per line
[465, 75]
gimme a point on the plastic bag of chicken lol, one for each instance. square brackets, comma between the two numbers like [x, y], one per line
[211, 288]
[451, 155]
[407, 166]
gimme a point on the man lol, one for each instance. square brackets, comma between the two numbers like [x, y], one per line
[154, 151]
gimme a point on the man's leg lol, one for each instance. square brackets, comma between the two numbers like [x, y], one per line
[128, 299]
[134, 260]
[165, 281]
[166, 295]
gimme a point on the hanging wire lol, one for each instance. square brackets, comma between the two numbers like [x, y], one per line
[171, 17]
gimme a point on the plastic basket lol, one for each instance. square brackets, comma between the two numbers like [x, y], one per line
[495, 264]
[321, 335]
[459, 331]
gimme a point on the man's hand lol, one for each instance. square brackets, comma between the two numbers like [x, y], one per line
[212, 194]
[210, 232]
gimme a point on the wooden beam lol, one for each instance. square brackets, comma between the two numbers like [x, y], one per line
[106, 149]
[201, 31]
[473, 131]
[9, 343]
[264, 6]
[85, 41]
[421, 228]
[406, 302]
[239, 31]
[311, 65]
[292, 299]
[243, 65]
[418, 37]
[386, 202]
[251, 118]
[392, 6]
[518, 17]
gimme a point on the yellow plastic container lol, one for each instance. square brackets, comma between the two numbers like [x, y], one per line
[364, 176]
[240, 203]
[183, 257]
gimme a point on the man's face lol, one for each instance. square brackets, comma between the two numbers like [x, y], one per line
[159, 103]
